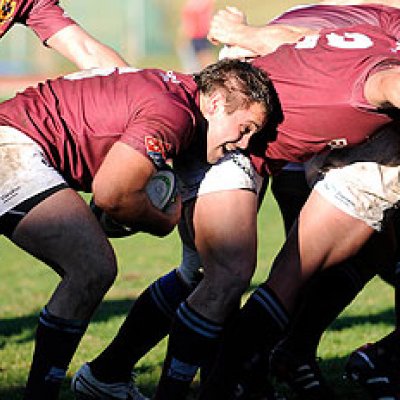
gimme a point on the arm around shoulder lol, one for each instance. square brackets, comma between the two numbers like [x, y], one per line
[229, 28]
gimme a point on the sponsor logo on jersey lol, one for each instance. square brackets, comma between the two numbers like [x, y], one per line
[157, 150]
[169, 76]
[7, 9]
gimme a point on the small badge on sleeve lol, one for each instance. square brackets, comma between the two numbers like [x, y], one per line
[157, 150]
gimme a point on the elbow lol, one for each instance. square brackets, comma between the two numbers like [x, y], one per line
[108, 200]
[106, 193]
[109, 204]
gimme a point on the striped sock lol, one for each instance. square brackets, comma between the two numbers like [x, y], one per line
[258, 327]
[148, 321]
[193, 339]
[56, 343]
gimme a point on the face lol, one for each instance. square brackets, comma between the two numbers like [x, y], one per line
[228, 132]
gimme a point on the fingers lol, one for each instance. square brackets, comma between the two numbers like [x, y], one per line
[238, 13]
[221, 27]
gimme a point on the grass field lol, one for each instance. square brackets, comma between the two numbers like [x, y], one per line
[26, 284]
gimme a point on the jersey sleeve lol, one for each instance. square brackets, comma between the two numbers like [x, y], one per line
[47, 18]
[161, 130]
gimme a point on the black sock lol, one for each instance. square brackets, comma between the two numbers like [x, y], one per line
[258, 327]
[323, 299]
[148, 321]
[192, 340]
[56, 343]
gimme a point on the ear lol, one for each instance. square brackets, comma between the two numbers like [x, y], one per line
[215, 103]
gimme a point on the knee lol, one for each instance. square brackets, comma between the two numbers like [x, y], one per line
[103, 276]
[232, 277]
[96, 277]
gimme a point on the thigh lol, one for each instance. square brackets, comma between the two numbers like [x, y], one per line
[62, 231]
[223, 226]
[328, 235]
[323, 236]
[225, 232]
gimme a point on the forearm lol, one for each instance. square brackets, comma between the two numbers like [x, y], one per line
[120, 189]
[265, 40]
[96, 55]
[157, 222]
[136, 212]
[255, 39]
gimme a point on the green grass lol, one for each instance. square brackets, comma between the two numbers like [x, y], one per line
[26, 284]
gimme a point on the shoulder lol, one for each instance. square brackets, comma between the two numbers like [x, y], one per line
[169, 107]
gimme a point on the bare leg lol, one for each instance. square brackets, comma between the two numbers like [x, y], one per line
[261, 323]
[225, 237]
[317, 243]
[62, 232]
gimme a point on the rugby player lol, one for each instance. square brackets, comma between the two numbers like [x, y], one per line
[66, 135]
[367, 90]
[229, 27]
[226, 274]
[295, 355]
[374, 365]
[301, 255]
[59, 32]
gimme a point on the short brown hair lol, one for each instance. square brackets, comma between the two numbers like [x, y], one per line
[243, 84]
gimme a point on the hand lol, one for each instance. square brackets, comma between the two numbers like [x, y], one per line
[225, 25]
[237, 15]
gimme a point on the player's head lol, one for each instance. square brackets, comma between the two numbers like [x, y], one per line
[236, 98]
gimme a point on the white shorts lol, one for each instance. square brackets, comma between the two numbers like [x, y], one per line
[366, 189]
[24, 169]
[234, 171]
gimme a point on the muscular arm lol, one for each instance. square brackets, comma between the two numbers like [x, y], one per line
[78, 46]
[382, 89]
[119, 189]
[229, 27]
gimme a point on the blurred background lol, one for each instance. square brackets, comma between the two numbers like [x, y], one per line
[146, 33]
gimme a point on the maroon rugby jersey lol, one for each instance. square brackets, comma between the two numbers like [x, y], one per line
[332, 17]
[320, 83]
[44, 17]
[76, 119]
